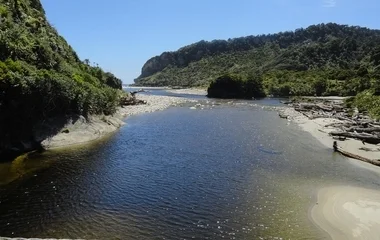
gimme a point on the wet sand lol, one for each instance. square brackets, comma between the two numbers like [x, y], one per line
[346, 212]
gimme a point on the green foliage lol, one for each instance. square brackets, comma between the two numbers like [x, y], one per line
[253, 86]
[368, 102]
[112, 81]
[321, 60]
[235, 86]
[3, 11]
[324, 59]
[320, 86]
[42, 77]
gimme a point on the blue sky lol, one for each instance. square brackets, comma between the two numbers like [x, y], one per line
[121, 35]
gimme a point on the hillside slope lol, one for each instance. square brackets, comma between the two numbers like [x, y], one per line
[41, 77]
[329, 51]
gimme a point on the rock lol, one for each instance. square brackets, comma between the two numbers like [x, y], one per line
[65, 130]
[283, 115]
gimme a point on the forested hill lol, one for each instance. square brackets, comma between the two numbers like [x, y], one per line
[42, 77]
[330, 50]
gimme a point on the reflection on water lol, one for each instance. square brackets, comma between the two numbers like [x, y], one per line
[228, 171]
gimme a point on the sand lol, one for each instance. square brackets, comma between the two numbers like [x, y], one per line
[196, 91]
[317, 128]
[346, 212]
[154, 103]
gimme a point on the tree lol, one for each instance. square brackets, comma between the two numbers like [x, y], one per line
[320, 85]
[253, 86]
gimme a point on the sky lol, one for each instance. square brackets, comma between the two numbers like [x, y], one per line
[121, 35]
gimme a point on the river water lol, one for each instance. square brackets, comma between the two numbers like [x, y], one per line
[228, 171]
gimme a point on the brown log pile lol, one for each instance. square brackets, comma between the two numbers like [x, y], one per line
[352, 124]
[130, 100]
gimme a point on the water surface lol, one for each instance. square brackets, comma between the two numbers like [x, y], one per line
[231, 171]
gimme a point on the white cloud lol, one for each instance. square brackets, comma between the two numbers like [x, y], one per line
[329, 3]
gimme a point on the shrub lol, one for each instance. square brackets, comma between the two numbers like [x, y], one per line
[368, 102]
[235, 86]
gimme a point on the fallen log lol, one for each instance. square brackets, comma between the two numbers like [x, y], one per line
[355, 156]
[324, 107]
[363, 130]
[315, 116]
[369, 149]
[339, 125]
[375, 162]
[368, 138]
[130, 100]
[340, 138]
[345, 119]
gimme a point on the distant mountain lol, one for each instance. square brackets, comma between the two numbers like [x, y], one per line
[331, 51]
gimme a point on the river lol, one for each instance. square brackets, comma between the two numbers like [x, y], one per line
[227, 171]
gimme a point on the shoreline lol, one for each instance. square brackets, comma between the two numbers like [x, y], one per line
[82, 131]
[194, 91]
[342, 212]
[318, 129]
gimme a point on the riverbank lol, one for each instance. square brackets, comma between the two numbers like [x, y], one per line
[320, 129]
[81, 131]
[344, 212]
[195, 91]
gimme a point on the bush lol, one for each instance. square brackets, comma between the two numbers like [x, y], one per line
[368, 102]
[235, 86]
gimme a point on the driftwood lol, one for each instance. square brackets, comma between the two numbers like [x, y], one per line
[318, 106]
[351, 155]
[368, 138]
[130, 100]
[369, 149]
[339, 125]
[357, 126]
[340, 138]
[363, 130]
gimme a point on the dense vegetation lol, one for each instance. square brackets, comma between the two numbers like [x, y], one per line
[234, 86]
[41, 76]
[322, 60]
[346, 57]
